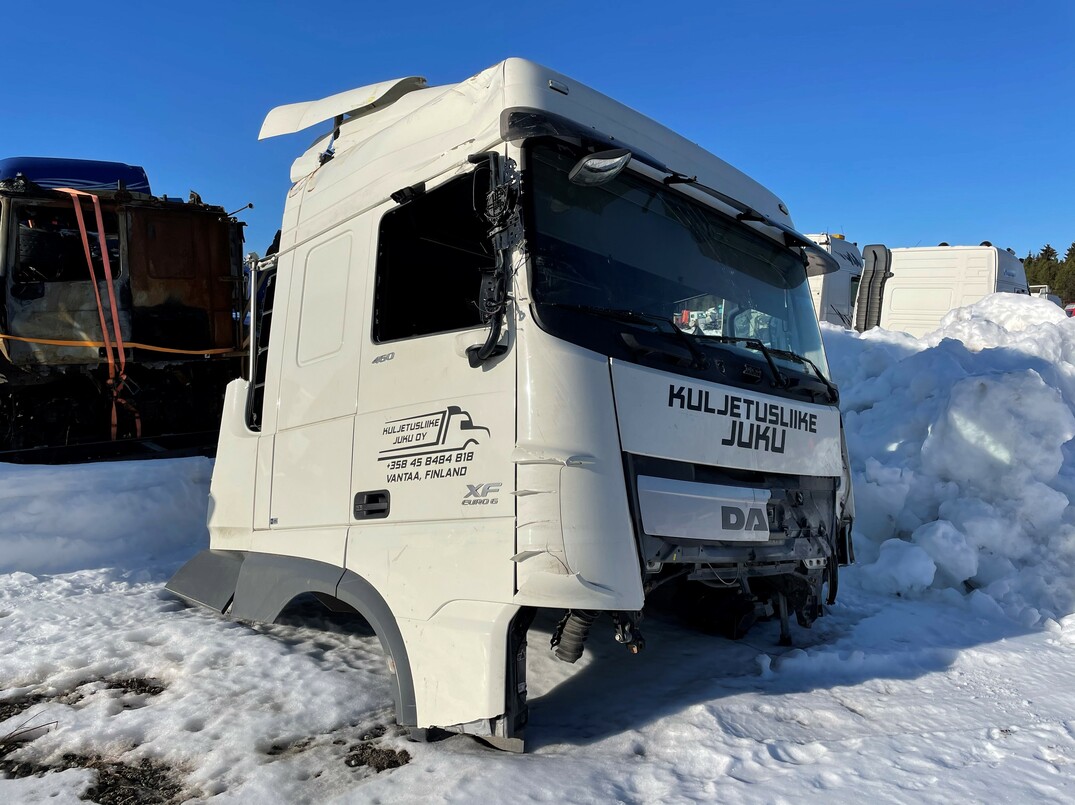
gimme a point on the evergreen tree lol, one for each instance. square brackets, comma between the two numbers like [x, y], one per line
[1032, 266]
[1042, 268]
[1046, 268]
[1064, 281]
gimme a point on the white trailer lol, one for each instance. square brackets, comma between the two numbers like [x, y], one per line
[835, 293]
[912, 289]
[521, 348]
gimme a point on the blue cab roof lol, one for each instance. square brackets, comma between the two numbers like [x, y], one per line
[80, 174]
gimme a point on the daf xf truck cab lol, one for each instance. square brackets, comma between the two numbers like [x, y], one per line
[521, 348]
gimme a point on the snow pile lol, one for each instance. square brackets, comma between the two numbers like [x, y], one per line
[959, 448]
[57, 519]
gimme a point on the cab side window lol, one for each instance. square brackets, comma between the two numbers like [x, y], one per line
[50, 244]
[430, 255]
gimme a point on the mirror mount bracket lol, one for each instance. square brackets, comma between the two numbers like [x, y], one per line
[501, 211]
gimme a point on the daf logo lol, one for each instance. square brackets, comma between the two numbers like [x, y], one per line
[482, 494]
[733, 518]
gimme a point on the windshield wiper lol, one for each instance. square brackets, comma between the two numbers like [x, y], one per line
[787, 354]
[816, 260]
[834, 393]
[700, 359]
[779, 380]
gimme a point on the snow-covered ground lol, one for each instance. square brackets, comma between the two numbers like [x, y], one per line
[946, 671]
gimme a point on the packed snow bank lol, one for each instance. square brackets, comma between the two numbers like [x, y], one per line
[959, 445]
[57, 519]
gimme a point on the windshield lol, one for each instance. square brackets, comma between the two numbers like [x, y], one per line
[632, 244]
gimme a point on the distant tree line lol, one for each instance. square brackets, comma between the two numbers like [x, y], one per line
[1046, 268]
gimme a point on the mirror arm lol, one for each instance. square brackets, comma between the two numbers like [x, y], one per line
[502, 213]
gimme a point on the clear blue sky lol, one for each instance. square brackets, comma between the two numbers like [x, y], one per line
[905, 123]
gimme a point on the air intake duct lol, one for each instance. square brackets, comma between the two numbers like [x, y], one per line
[569, 639]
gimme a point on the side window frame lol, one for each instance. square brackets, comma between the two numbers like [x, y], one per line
[384, 326]
[75, 261]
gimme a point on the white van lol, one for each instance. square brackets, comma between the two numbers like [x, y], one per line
[913, 288]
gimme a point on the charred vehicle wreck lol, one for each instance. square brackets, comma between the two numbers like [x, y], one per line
[120, 319]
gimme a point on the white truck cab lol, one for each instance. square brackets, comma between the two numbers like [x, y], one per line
[521, 348]
[835, 293]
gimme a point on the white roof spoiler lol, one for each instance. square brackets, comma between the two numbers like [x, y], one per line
[354, 103]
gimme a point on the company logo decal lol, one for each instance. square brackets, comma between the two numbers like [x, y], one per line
[753, 424]
[430, 446]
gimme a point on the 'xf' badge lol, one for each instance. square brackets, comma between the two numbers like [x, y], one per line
[482, 494]
[481, 490]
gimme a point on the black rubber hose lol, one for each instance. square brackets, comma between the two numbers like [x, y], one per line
[834, 580]
[576, 630]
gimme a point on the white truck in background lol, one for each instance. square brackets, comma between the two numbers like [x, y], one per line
[616, 384]
[911, 289]
[835, 293]
[1045, 292]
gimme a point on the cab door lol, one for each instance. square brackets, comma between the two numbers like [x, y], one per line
[319, 360]
[433, 478]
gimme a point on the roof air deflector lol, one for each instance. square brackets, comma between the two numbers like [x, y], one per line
[352, 103]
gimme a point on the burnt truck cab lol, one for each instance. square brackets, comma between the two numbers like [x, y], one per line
[523, 348]
[98, 278]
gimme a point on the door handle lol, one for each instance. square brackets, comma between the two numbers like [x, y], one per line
[372, 505]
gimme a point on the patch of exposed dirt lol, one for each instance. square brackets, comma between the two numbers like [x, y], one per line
[378, 758]
[133, 686]
[376, 731]
[136, 685]
[293, 747]
[146, 783]
[9, 708]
